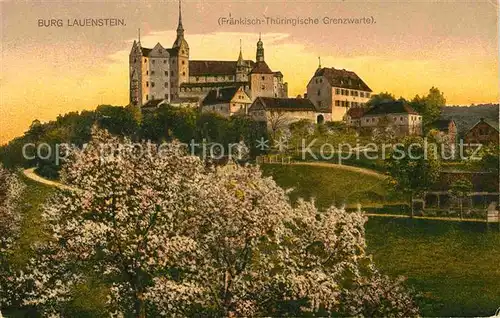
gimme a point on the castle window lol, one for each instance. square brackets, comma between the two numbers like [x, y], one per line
[263, 87]
[135, 60]
[152, 72]
[152, 84]
[147, 96]
[337, 103]
[361, 94]
[401, 118]
[263, 78]
[145, 60]
[166, 73]
[153, 61]
[367, 95]
[164, 61]
[182, 62]
[166, 84]
[337, 91]
[319, 92]
[147, 72]
[183, 73]
[147, 84]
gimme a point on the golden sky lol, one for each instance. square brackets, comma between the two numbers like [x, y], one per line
[413, 45]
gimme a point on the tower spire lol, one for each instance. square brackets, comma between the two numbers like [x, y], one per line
[260, 50]
[240, 57]
[319, 61]
[139, 34]
[180, 29]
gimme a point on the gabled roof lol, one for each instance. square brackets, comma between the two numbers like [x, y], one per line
[393, 107]
[356, 112]
[213, 84]
[145, 51]
[286, 104]
[441, 124]
[220, 95]
[201, 68]
[261, 67]
[173, 51]
[489, 123]
[342, 78]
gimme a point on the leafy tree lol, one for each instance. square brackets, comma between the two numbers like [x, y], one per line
[429, 106]
[460, 189]
[117, 120]
[412, 167]
[382, 97]
[172, 237]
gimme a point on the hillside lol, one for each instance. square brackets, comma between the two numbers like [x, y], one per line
[466, 116]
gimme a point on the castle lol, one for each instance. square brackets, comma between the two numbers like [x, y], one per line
[166, 74]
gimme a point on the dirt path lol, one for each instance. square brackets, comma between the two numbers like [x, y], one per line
[345, 167]
[30, 173]
[423, 217]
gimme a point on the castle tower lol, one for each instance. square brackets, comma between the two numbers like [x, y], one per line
[260, 51]
[135, 74]
[180, 58]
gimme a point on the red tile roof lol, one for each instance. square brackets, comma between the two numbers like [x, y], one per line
[202, 68]
[342, 78]
[261, 67]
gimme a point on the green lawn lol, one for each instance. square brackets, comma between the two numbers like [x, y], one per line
[34, 195]
[455, 266]
[329, 185]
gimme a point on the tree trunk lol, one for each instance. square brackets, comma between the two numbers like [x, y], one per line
[461, 209]
[140, 308]
[411, 205]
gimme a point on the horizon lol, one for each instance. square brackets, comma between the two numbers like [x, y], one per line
[79, 68]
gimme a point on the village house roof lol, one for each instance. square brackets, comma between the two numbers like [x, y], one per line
[441, 124]
[278, 74]
[261, 67]
[286, 104]
[213, 84]
[220, 95]
[392, 107]
[356, 112]
[213, 68]
[342, 78]
[489, 123]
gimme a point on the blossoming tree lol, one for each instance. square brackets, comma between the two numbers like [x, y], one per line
[10, 192]
[172, 236]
